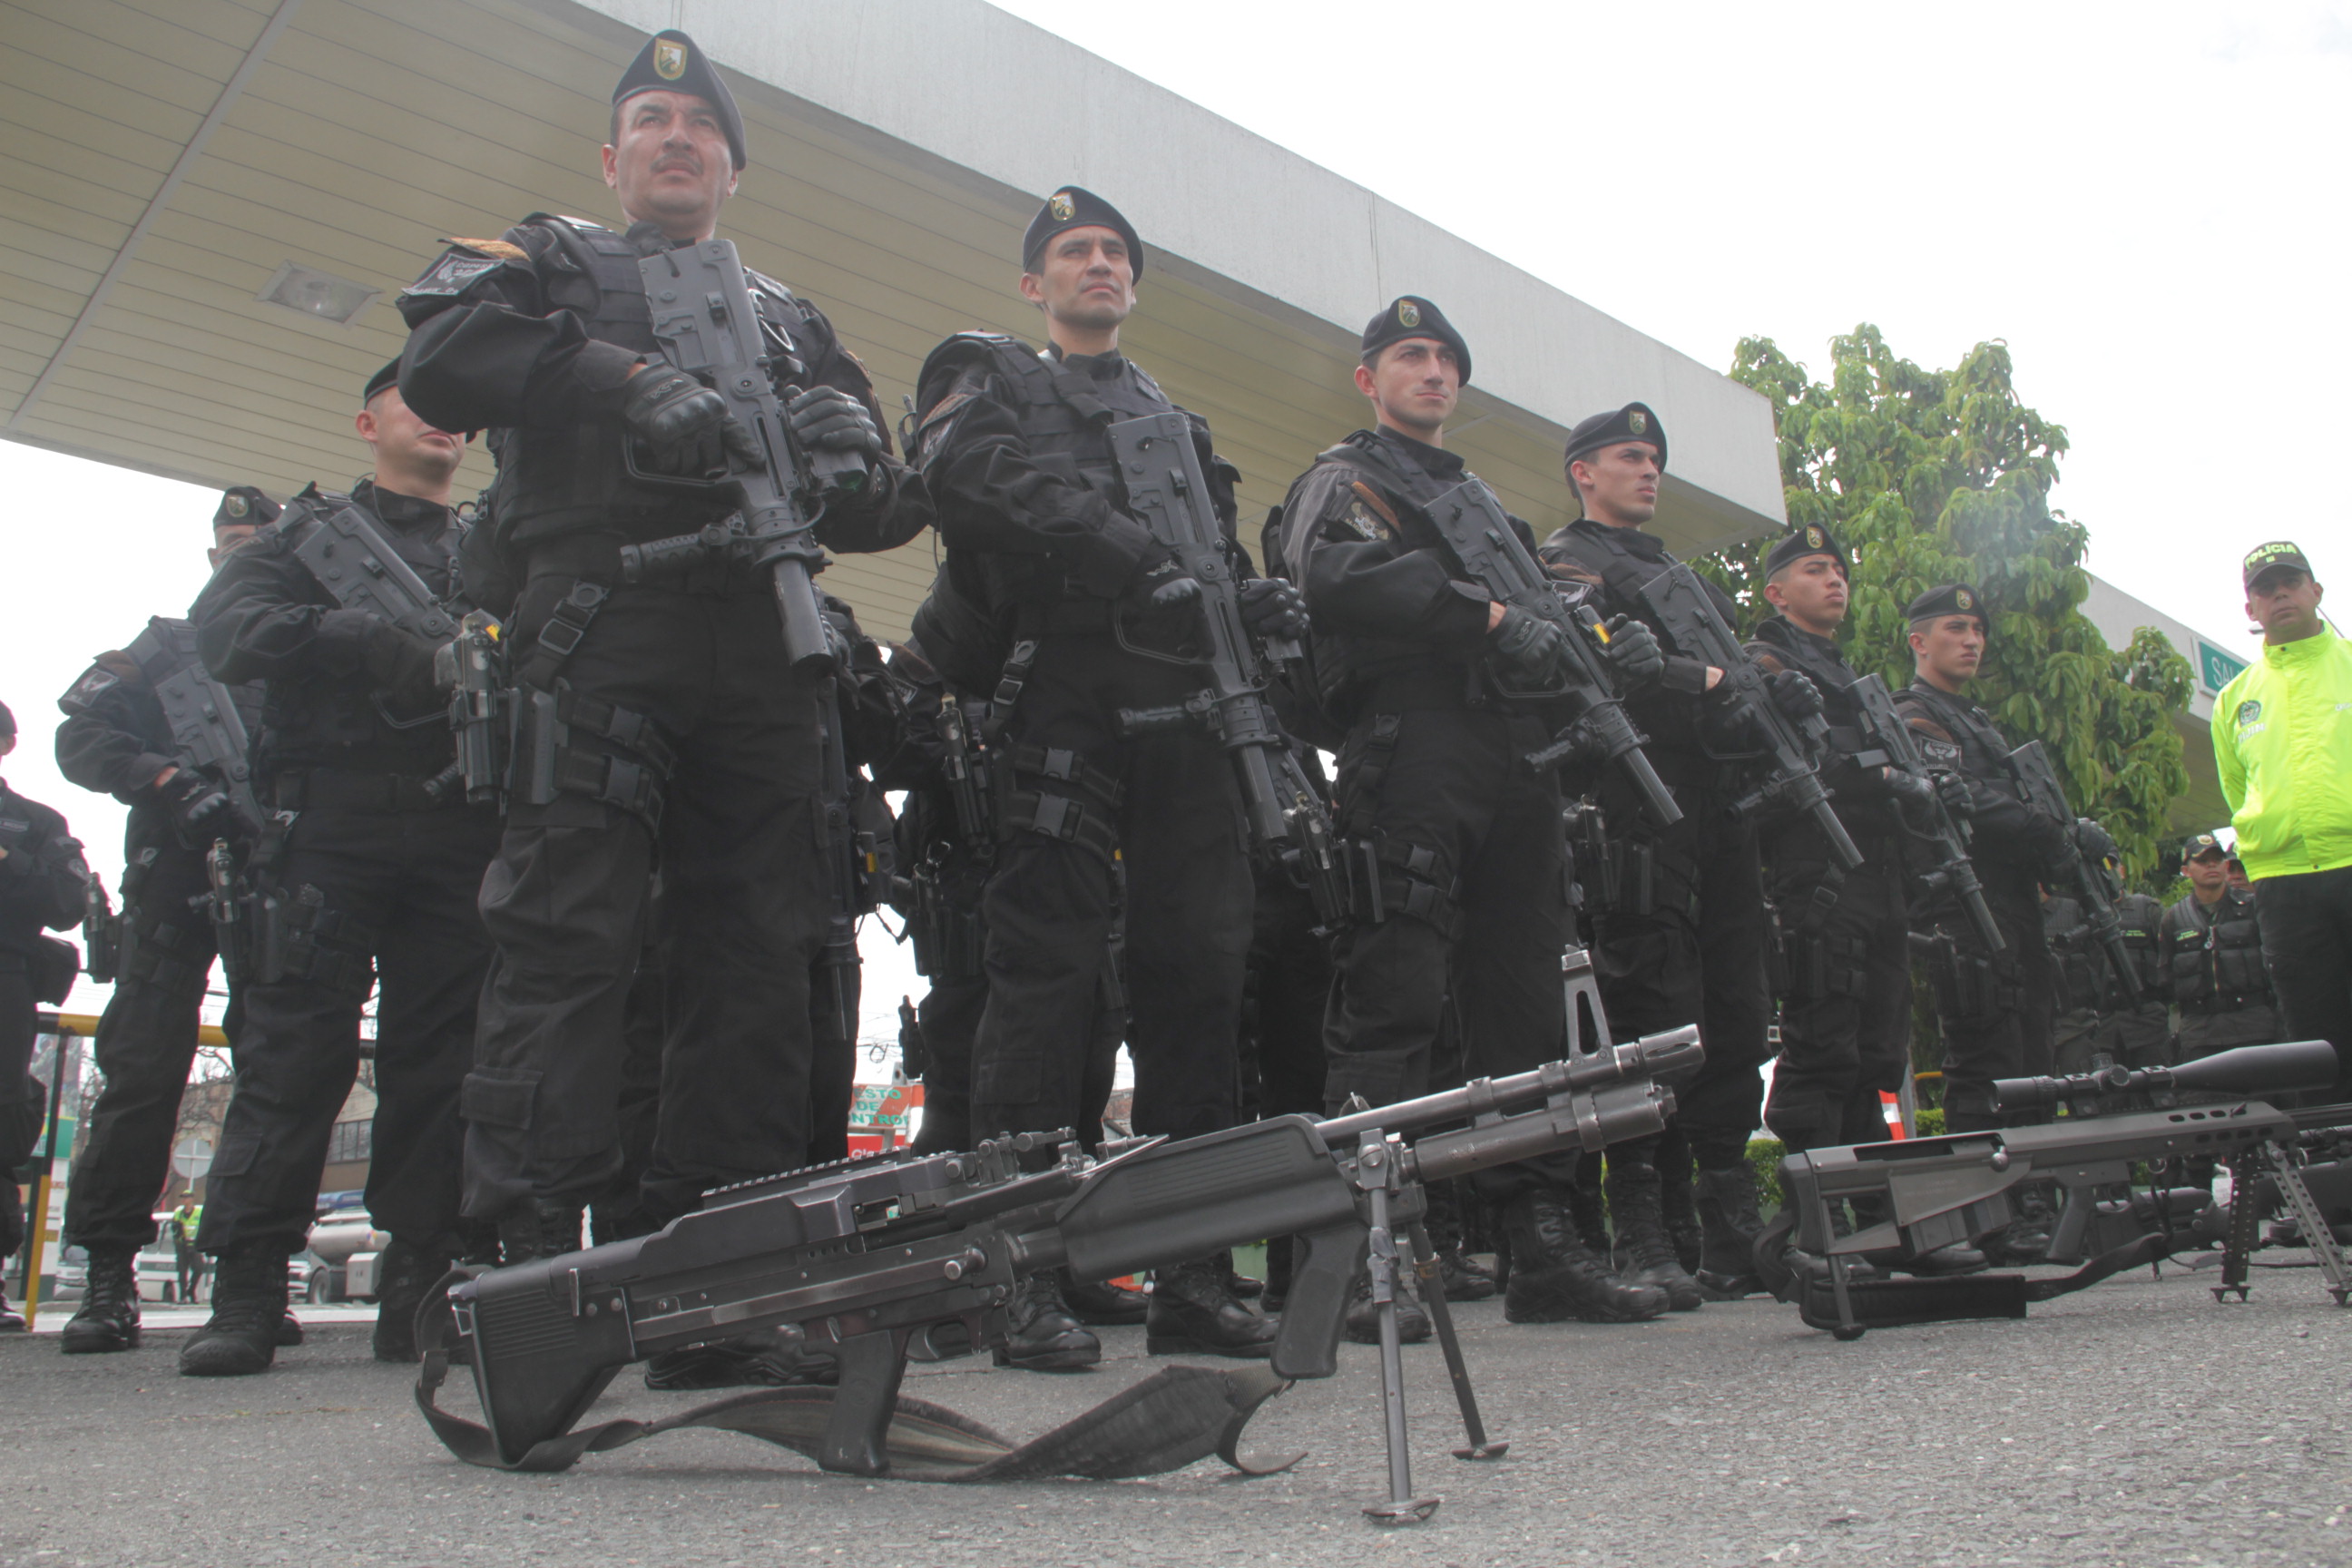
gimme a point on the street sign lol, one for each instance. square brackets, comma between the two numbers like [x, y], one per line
[192, 1158]
[2215, 668]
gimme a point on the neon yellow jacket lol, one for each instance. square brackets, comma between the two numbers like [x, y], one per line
[2283, 737]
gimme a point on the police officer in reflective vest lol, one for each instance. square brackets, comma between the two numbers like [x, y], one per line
[366, 872]
[1066, 608]
[2213, 955]
[677, 725]
[117, 738]
[1434, 783]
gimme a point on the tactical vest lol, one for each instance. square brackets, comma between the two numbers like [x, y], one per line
[2216, 963]
[324, 720]
[2142, 920]
[1670, 718]
[574, 480]
[1821, 663]
[168, 647]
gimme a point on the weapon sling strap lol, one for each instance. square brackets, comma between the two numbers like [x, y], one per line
[1171, 1418]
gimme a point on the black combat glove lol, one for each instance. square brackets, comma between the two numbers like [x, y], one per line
[684, 422]
[1794, 694]
[828, 418]
[1527, 643]
[1634, 653]
[1273, 608]
[1168, 586]
[1957, 797]
[2096, 845]
[198, 805]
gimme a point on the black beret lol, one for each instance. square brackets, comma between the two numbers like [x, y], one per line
[385, 378]
[1073, 207]
[2280, 555]
[1799, 542]
[242, 504]
[7, 720]
[1951, 599]
[1411, 316]
[672, 62]
[1634, 422]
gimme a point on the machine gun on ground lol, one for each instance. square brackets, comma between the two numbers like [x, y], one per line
[707, 325]
[1890, 744]
[2038, 787]
[1677, 601]
[1488, 551]
[1916, 1195]
[1167, 492]
[881, 1259]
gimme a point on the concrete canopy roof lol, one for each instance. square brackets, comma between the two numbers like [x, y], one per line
[171, 157]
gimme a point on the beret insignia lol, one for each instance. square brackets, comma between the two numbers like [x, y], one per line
[1408, 313]
[1964, 599]
[1814, 538]
[669, 59]
[1060, 204]
[1637, 422]
[236, 505]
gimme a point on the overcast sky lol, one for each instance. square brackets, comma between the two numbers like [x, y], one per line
[2147, 201]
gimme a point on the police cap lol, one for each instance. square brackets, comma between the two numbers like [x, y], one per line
[1634, 422]
[243, 504]
[2277, 556]
[385, 378]
[1812, 539]
[1951, 599]
[672, 62]
[2201, 844]
[1411, 316]
[1075, 207]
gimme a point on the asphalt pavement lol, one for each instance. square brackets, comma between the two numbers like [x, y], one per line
[2137, 1423]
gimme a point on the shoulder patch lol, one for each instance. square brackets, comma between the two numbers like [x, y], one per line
[1943, 752]
[458, 269]
[89, 689]
[504, 249]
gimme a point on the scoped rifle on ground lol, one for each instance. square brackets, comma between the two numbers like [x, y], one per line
[1678, 602]
[883, 1259]
[1167, 492]
[1916, 1195]
[2038, 787]
[1889, 744]
[1489, 552]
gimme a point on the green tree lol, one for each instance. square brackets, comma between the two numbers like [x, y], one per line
[1931, 477]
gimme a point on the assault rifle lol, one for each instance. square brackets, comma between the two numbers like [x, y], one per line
[1916, 1195]
[209, 733]
[708, 326]
[2038, 787]
[101, 935]
[1168, 494]
[1889, 744]
[883, 1258]
[1488, 551]
[1678, 602]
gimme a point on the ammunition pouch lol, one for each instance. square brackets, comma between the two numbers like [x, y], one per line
[1627, 880]
[1393, 878]
[1970, 988]
[170, 951]
[1052, 791]
[1822, 965]
[51, 966]
[302, 939]
[945, 930]
[547, 764]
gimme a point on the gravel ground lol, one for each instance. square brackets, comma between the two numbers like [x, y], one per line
[2137, 1423]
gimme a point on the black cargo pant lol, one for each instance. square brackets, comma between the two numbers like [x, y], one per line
[2203, 1033]
[1473, 862]
[146, 1044]
[21, 1108]
[2138, 1036]
[397, 904]
[1684, 943]
[1997, 1009]
[2306, 922]
[740, 845]
[1846, 1008]
[1167, 803]
[1290, 986]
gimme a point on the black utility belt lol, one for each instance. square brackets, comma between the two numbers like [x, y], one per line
[597, 558]
[347, 789]
[2220, 1004]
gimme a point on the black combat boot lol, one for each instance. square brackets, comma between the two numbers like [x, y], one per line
[538, 1229]
[1041, 1334]
[109, 1317]
[1364, 1318]
[1460, 1278]
[2025, 1240]
[1194, 1313]
[1587, 1209]
[1555, 1277]
[406, 1274]
[289, 1330]
[1101, 1303]
[1729, 1225]
[1644, 1256]
[1279, 1252]
[1678, 1203]
[249, 1304]
[1464, 1278]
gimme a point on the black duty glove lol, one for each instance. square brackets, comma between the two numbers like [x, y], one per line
[1634, 653]
[2094, 843]
[1273, 608]
[1527, 643]
[828, 418]
[1957, 797]
[1794, 694]
[400, 665]
[1168, 586]
[684, 422]
[195, 802]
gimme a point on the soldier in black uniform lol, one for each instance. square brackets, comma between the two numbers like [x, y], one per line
[2094, 1017]
[2213, 956]
[680, 732]
[43, 882]
[1995, 1008]
[1434, 777]
[1686, 939]
[368, 869]
[118, 738]
[1049, 589]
